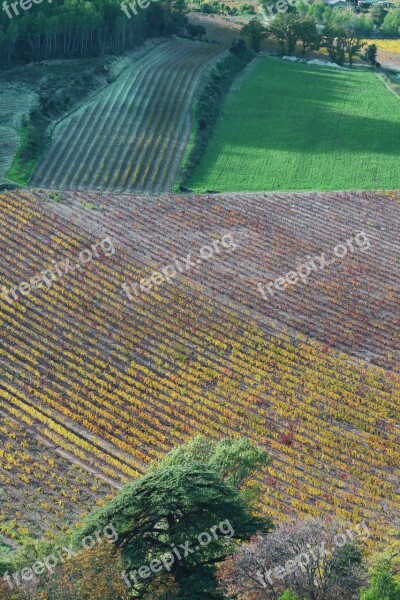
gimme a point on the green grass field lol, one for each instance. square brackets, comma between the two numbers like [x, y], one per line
[295, 127]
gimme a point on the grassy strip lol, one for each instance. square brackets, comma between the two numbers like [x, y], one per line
[391, 80]
[32, 142]
[214, 88]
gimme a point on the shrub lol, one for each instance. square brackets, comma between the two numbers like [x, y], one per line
[255, 32]
[246, 9]
[238, 47]
[383, 586]
[371, 53]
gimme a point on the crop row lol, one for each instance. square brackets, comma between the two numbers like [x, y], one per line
[125, 138]
[356, 298]
[117, 382]
[43, 493]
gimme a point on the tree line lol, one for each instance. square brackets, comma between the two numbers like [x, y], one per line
[76, 28]
[188, 529]
[291, 29]
[377, 20]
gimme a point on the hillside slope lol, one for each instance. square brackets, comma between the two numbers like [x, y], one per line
[132, 135]
[115, 381]
[351, 305]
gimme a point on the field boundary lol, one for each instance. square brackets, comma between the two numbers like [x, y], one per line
[215, 87]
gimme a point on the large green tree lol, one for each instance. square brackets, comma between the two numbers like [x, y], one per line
[183, 517]
[235, 460]
[255, 32]
[286, 29]
[291, 28]
[391, 23]
[335, 40]
[308, 34]
[340, 41]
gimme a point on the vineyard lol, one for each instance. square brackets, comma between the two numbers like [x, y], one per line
[274, 233]
[49, 491]
[131, 135]
[112, 382]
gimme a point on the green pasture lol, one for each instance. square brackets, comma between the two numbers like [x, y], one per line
[296, 127]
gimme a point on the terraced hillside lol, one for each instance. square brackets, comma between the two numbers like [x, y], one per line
[115, 381]
[130, 136]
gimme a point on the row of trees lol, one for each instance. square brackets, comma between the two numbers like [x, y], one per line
[391, 24]
[193, 515]
[76, 28]
[291, 29]
[377, 19]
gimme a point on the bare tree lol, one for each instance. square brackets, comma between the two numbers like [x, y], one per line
[315, 558]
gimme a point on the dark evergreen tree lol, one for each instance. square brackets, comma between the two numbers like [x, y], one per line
[187, 514]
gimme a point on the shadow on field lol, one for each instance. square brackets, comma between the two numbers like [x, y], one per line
[352, 134]
[311, 111]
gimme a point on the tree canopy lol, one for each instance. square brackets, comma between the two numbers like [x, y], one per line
[255, 32]
[186, 514]
[75, 28]
[300, 557]
[382, 585]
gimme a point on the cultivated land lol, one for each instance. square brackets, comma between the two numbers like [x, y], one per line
[295, 127]
[53, 88]
[130, 137]
[42, 490]
[388, 53]
[114, 382]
